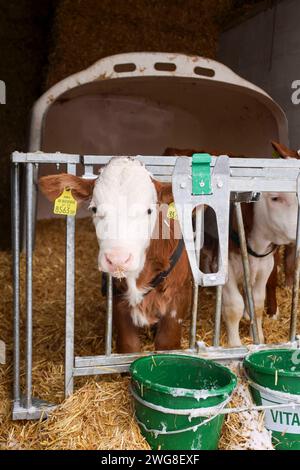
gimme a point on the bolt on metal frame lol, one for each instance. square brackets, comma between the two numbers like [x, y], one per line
[243, 176]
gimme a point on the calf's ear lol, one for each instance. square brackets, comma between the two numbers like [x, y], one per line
[283, 151]
[53, 185]
[164, 192]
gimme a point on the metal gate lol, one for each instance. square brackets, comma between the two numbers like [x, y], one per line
[232, 180]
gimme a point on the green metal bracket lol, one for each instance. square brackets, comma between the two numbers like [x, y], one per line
[201, 178]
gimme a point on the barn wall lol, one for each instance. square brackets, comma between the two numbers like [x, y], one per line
[24, 26]
[266, 50]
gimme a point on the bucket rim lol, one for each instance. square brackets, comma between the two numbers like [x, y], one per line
[267, 370]
[189, 392]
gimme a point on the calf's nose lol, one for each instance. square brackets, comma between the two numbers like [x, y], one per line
[118, 259]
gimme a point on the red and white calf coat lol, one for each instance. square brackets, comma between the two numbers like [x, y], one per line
[139, 246]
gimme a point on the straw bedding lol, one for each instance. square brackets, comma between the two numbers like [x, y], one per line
[99, 415]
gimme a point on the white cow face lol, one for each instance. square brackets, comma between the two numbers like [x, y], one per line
[278, 211]
[277, 214]
[124, 212]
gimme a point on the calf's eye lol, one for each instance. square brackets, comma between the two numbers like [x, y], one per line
[93, 209]
[275, 198]
[149, 211]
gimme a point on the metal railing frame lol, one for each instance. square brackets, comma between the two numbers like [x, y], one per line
[246, 175]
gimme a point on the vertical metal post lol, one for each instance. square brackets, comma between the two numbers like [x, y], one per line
[246, 268]
[70, 297]
[198, 244]
[109, 316]
[16, 274]
[218, 314]
[218, 310]
[295, 295]
[29, 239]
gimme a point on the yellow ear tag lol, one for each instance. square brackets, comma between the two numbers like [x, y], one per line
[275, 154]
[172, 213]
[65, 204]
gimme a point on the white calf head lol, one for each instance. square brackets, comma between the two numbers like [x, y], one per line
[123, 204]
[276, 213]
[279, 210]
[124, 213]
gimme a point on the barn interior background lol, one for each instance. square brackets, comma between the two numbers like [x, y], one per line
[42, 43]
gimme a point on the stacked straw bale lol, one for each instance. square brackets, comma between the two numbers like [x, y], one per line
[86, 31]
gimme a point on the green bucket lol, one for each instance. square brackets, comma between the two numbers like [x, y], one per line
[170, 393]
[275, 379]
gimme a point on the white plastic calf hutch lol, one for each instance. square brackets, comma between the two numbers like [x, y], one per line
[140, 104]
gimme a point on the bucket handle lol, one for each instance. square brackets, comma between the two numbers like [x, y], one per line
[212, 411]
[157, 432]
[289, 397]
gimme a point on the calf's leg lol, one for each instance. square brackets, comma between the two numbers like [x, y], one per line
[128, 340]
[168, 335]
[233, 309]
[259, 291]
[289, 264]
[271, 301]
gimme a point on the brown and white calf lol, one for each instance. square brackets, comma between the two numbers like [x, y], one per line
[137, 244]
[269, 222]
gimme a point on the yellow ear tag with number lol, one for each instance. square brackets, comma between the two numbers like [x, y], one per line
[172, 213]
[65, 204]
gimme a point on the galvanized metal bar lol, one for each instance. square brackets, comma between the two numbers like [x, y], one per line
[193, 326]
[295, 294]
[125, 358]
[117, 369]
[35, 200]
[29, 244]
[198, 243]
[218, 314]
[115, 360]
[103, 360]
[156, 161]
[44, 158]
[239, 163]
[70, 297]
[109, 316]
[218, 311]
[261, 185]
[16, 274]
[239, 166]
[247, 274]
[89, 172]
[250, 174]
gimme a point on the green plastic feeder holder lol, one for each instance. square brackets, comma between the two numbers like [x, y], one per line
[201, 177]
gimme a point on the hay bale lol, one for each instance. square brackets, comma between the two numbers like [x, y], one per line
[85, 32]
